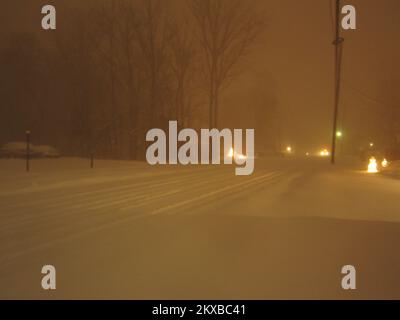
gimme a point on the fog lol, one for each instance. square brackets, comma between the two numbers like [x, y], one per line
[110, 190]
[283, 87]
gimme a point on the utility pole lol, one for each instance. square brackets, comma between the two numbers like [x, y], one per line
[338, 43]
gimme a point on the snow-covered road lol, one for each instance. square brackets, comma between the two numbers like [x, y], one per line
[125, 229]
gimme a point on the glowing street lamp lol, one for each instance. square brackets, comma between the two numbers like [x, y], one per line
[384, 163]
[289, 149]
[339, 134]
[371, 144]
[372, 165]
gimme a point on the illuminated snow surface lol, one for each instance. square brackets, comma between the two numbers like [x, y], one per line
[128, 230]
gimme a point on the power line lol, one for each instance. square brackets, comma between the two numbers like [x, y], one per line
[363, 94]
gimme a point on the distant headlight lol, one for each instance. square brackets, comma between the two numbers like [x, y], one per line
[324, 153]
[234, 154]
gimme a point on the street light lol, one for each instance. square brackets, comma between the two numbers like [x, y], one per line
[289, 149]
[339, 134]
[372, 165]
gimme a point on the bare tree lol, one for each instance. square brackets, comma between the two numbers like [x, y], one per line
[226, 29]
[106, 42]
[75, 51]
[152, 37]
[129, 63]
[182, 62]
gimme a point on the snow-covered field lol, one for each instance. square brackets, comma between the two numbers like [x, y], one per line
[126, 229]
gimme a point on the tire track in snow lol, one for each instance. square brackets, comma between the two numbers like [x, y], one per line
[227, 190]
[102, 201]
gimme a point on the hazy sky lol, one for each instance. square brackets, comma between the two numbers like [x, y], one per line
[294, 61]
[298, 55]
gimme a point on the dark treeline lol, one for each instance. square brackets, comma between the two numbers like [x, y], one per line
[115, 68]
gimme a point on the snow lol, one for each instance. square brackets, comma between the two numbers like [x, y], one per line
[393, 170]
[18, 150]
[141, 231]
